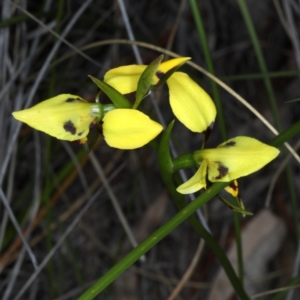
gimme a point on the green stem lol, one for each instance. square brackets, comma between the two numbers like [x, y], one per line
[183, 161]
[237, 229]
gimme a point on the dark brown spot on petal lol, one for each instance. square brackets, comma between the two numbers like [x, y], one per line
[222, 171]
[80, 133]
[73, 99]
[207, 132]
[93, 124]
[233, 185]
[69, 127]
[229, 144]
[159, 74]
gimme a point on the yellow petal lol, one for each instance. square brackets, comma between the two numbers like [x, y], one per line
[190, 103]
[129, 128]
[237, 157]
[66, 116]
[172, 63]
[83, 141]
[195, 183]
[124, 79]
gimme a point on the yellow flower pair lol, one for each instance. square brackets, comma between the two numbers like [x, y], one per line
[69, 117]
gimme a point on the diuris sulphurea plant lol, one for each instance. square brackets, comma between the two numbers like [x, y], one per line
[69, 117]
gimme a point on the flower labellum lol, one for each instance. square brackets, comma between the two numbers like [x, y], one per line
[66, 117]
[237, 157]
[129, 128]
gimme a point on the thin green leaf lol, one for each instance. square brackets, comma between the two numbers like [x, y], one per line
[239, 245]
[261, 76]
[294, 100]
[145, 81]
[235, 208]
[261, 61]
[116, 98]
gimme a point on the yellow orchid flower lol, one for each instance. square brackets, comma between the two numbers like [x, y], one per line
[237, 157]
[66, 117]
[69, 117]
[190, 103]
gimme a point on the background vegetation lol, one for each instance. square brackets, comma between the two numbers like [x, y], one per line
[64, 201]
